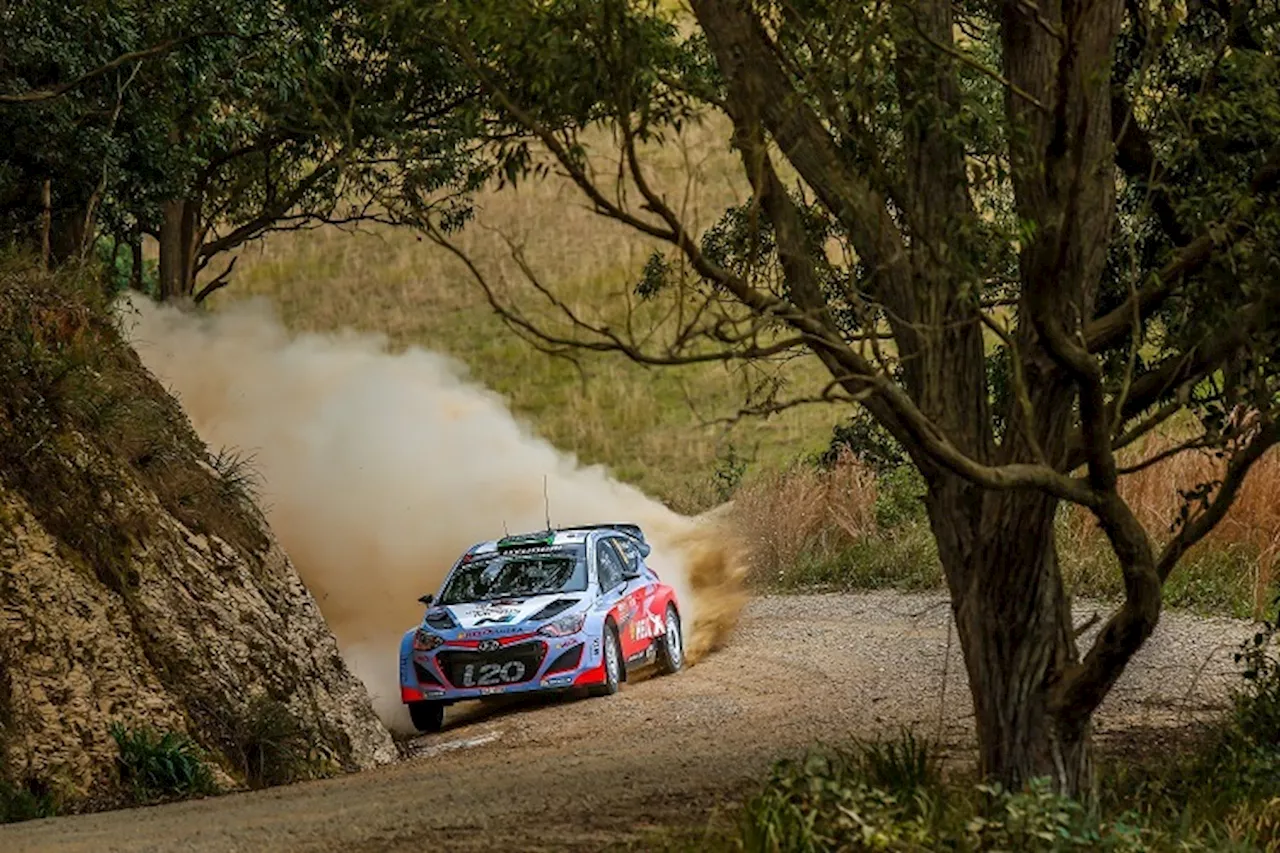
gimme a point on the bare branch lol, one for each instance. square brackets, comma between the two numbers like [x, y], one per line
[218, 283]
[606, 340]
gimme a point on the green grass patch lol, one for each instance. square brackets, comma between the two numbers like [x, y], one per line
[270, 747]
[19, 802]
[156, 766]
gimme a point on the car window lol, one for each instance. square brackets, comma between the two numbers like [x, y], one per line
[608, 565]
[517, 575]
[630, 556]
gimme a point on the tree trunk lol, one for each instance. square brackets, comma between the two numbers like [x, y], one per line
[135, 261]
[1014, 623]
[177, 249]
[46, 223]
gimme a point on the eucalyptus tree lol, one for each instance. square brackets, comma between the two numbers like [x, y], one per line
[1025, 236]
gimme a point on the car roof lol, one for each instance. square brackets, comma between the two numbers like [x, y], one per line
[553, 538]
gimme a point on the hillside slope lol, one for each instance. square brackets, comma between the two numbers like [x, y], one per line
[139, 584]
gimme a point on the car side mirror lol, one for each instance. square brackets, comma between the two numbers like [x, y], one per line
[427, 599]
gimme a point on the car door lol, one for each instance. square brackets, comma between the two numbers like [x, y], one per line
[613, 588]
[638, 598]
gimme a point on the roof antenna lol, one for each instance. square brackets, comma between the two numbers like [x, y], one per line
[546, 502]
[505, 532]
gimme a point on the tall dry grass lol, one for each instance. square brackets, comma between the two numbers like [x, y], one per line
[803, 510]
[839, 528]
[1237, 560]
[844, 528]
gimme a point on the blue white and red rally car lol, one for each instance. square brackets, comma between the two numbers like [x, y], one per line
[569, 608]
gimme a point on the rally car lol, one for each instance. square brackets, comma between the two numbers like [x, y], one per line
[557, 610]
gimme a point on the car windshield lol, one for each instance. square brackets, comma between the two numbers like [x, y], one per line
[562, 569]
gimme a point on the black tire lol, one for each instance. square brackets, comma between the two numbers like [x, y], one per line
[427, 716]
[671, 646]
[612, 667]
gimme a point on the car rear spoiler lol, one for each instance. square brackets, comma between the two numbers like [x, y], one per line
[632, 530]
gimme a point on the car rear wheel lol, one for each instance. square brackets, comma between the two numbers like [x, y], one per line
[671, 646]
[427, 716]
[612, 664]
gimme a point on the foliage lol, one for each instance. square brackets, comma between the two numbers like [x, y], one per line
[156, 766]
[268, 745]
[890, 796]
[255, 117]
[237, 475]
[904, 765]
[19, 802]
[727, 476]
[1256, 715]
[870, 443]
[823, 803]
[117, 261]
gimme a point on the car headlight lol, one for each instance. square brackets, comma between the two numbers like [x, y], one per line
[425, 641]
[564, 626]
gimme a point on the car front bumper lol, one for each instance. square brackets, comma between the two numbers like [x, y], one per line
[527, 663]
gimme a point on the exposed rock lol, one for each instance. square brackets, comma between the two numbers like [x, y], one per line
[137, 584]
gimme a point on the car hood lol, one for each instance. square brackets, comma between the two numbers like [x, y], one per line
[511, 611]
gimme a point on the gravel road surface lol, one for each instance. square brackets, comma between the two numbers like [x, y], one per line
[588, 774]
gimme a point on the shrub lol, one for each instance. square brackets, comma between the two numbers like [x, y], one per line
[1257, 706]
[729, 469]
[904, 766]
[270, 747]
[156, 766]
[899, 497]
[1038, 819]
[25, 802]
[821, 803]
[874, 796]
[868, 442]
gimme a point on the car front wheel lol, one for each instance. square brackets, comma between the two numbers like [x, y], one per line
[671, 646]
[612, 664]
[427, 716]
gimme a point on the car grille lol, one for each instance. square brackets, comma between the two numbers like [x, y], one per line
[507, 665]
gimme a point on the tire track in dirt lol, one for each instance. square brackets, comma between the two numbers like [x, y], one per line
[582, 775]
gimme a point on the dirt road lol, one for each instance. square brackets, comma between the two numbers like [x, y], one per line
[582, 775]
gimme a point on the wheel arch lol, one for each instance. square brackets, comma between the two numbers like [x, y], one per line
[612, 627]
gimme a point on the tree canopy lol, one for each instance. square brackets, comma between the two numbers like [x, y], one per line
[1024, 235]
[209, 123]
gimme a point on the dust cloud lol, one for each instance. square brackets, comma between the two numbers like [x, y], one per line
[378, 469]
